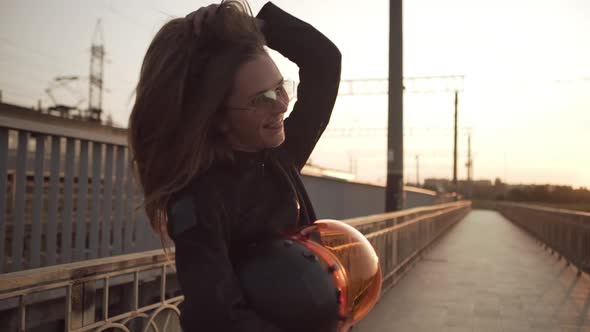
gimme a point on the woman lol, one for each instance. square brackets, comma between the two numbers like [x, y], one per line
[218, 165]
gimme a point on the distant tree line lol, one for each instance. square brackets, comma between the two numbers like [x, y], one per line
[547, 194]
[498, 190]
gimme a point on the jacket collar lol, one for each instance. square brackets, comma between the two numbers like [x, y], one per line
[241, 157]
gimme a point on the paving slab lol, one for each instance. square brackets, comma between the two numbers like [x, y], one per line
[485, 274]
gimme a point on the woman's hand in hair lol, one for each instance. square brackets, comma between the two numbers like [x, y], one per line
[259, 23]
[201, 15]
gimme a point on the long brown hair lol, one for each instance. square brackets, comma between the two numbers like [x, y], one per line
[184, 81]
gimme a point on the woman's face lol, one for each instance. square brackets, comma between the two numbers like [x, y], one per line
[256, 107]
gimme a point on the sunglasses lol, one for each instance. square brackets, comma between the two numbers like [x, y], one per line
[282, 93]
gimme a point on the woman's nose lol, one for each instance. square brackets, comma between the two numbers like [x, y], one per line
[281, 105]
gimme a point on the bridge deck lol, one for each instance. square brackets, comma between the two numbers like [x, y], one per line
[485, 275]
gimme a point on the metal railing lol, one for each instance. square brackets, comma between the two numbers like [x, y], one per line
[67, 194]
[84, 292]
[85, 288]
[563, 231]
[399, 238]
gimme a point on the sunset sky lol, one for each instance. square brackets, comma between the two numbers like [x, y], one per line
[526, 67]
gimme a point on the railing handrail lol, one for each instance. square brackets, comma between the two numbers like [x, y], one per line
[13, 281]
[62, 131]
[380, 217]
[548, 209]
[70, 271]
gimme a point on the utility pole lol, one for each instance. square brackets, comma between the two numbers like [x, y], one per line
[469, 163]
[469, 166]
[418, 170]
[455, 185]
[395, 138]
[97, 54]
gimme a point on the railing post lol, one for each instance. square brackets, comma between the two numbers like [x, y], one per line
[3, 190]
[89, 315]
[18, 226]
[52, 200]
[80, 252]
[36, 222]
[67, 216]
[117, 224]
[95, 210]
[76, 306]
[107, 214]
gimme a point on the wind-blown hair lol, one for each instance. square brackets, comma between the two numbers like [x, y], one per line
[184, 81]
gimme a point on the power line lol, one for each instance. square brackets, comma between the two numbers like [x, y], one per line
[573, 80]
[31, 53]
[415, 84]
[109, 6]
[160, 11]
[23, 86]
[19, 72]
[47, 71]
[421, 84]
[409, 153]
[382, 131]
[28, 49]
[16, 92]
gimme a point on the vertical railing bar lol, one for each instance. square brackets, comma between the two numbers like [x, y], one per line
[105, 299]
[82, 201]
[3, 196]
[163, 284]
[66, 234]
[394, 250]
[119, 173]
[129, 220]
[22, 311]
[135, 290]
[68, 313]
[88, 302]
[53, 193]
[19, 211]
[107, 202]
[78, 308]
[35, 251]
[96, 181]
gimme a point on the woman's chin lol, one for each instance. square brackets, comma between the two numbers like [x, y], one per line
[272, 141]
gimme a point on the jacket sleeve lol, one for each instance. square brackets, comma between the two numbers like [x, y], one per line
[319, 62]
[213, 300]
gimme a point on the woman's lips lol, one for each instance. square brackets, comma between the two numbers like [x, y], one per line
[274, 125]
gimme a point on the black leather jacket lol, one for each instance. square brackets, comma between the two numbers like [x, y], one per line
[257, 195]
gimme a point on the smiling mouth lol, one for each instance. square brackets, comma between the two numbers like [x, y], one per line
[274, 125]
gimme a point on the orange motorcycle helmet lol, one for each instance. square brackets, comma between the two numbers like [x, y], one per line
[325, 277]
